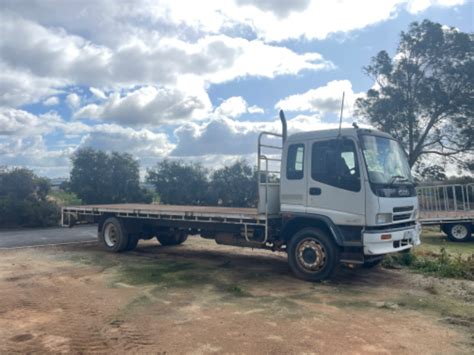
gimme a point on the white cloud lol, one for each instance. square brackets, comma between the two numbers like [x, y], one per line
[323, 99]
[140, 61]
[144, 144]
[277, 20]
[271, 20]
[15, 122]
[73, 100]
[20, 123]
[51, 101]
[254, 109]
[22, 141]
[98, 93]
[417, 6]
[236, 106]
[281, 8]
[20, 87]
[33, 153]
[148, 105]
[225, 136]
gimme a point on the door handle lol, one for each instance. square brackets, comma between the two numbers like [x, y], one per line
[314, 191]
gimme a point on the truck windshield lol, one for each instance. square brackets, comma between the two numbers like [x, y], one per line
[386, 161]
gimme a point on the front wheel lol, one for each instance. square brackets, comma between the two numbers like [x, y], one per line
[313, 255]
[458, 232]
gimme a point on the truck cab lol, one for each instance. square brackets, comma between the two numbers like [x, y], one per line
[346, 195]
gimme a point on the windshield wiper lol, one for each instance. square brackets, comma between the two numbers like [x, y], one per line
[399, 178]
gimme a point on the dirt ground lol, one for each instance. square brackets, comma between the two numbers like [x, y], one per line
[202, 298]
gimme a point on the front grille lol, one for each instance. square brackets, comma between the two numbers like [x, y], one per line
[401, 217]
[402, 209]
[402, 213]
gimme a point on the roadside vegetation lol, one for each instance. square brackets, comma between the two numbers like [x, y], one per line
[64, 198]
[180, 183]
[24, 200]
[437, 257]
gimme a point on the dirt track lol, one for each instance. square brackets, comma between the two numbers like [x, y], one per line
[202, 298]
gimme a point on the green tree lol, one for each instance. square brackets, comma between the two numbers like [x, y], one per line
[23, 200]
[179, 183]
[424, 95]
[234, 185]
[433, 173]
[98, 177]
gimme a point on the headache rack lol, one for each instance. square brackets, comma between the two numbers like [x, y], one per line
[445, 203]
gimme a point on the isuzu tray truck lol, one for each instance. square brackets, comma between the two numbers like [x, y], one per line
[339, 196]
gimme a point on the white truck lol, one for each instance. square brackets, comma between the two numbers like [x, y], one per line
[338, 196]
[449, 206]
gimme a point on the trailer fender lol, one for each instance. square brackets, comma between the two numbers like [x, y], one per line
[293, 222]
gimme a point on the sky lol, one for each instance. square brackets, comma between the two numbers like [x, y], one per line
[191, 80]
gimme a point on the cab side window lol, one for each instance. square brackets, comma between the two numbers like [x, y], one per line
[334, 162]
[295, 162]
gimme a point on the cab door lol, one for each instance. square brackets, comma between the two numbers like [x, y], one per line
[335, 187]
[294, 173]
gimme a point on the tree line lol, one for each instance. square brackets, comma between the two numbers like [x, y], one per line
[98, 177]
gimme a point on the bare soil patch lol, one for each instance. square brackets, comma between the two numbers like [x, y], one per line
[202, 298]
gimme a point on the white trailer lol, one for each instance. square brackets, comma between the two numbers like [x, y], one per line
[325, 197]
[451, 207]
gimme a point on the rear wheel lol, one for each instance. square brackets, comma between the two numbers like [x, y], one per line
[113, 236]
[172, 239]
[459, 232]
[132, 242]
[312, 255]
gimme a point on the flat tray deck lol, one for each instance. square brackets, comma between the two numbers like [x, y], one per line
[431, 216]
[172, 210]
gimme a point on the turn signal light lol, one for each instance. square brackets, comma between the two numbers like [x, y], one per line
[386, 236]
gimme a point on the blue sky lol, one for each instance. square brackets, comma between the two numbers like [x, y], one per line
[164, 79]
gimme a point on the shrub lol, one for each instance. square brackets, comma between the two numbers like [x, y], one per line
[23, 200]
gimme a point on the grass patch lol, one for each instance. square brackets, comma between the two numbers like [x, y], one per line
[140, 301]
[162, 273]
[432, 241]
[89, 258]
[352, 303]
[237, 291]
[446, 306]
[175, 274]
[440, 264]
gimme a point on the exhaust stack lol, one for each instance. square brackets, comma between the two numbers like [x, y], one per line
[283, 126]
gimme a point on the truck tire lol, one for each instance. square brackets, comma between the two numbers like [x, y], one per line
[313, 255]
[459, 232]
[113, 236]
[172, 239]
[132, 242]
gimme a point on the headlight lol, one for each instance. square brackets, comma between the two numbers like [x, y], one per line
[383, 218]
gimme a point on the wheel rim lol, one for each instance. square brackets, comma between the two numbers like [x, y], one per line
[110, 235]
[311, 255]
[459, 231]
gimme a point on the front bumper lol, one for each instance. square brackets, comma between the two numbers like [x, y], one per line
[401, 239]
